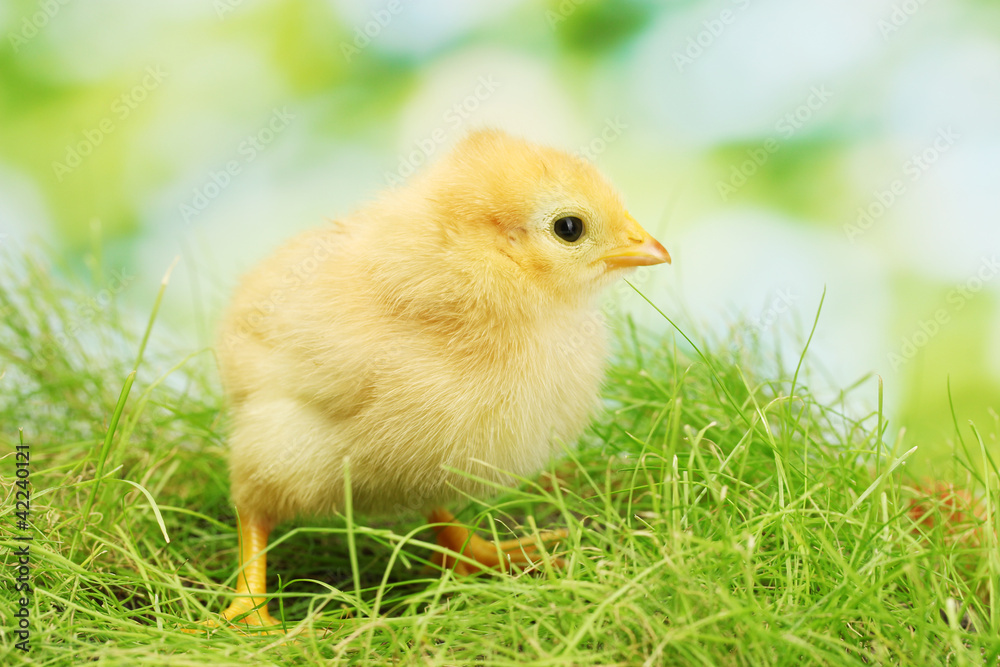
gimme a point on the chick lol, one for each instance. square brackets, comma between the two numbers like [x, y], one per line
[436, 343]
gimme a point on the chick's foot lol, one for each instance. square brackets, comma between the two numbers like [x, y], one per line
[245, 614]
[487, 555]
[248, 609]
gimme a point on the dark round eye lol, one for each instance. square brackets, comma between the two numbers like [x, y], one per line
[569, 229]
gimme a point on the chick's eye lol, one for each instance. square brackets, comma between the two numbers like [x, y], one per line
[569, 229]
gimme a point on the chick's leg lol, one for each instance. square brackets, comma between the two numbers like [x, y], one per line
[488, 555]
[250, 605]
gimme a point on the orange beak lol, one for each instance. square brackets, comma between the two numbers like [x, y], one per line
[643, 250]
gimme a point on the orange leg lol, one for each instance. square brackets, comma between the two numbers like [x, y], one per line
[250, 605]
[489, 555]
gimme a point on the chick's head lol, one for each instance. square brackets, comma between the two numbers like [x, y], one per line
[545, 219]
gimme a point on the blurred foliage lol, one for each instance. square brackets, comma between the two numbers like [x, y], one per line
[592, 28]
[804, 180]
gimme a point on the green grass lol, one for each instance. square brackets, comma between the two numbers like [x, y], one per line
[712, 521]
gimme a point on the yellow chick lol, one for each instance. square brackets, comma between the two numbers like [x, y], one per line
[445, 335]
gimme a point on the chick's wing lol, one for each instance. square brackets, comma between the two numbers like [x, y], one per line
[293, 329]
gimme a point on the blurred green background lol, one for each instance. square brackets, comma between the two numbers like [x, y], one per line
[774, 147]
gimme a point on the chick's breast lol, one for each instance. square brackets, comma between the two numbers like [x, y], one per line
[320, 368]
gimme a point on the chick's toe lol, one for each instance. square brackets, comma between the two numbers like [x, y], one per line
[486, 555]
